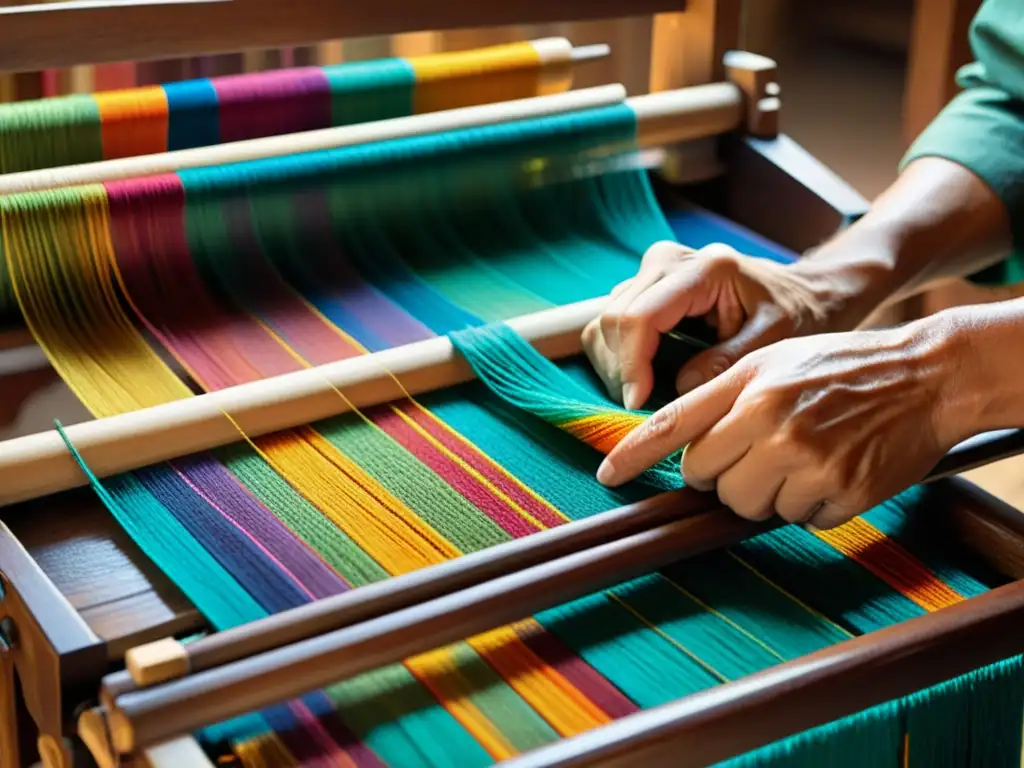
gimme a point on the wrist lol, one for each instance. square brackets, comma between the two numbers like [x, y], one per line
[970, 350]
[851, 276]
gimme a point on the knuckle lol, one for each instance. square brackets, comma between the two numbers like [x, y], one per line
[718, 249]
[660, 424]
[797, 514]
[632, 320]
[608, 324]
[664, 252]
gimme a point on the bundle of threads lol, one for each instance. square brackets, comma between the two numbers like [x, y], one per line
[83, 128]
[248, 271]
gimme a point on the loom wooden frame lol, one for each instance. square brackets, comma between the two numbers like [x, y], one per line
[58, 659]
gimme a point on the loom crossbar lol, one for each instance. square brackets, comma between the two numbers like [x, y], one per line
[73, 32]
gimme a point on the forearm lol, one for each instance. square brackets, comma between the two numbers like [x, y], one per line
[978, 346]
[938, 220]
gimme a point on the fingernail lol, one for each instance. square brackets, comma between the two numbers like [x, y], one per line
[606, 473]
[628, 394]
[687, 381]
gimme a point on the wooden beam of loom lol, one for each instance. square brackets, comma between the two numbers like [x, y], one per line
[38, 465]
[65, 34]
[139, 718]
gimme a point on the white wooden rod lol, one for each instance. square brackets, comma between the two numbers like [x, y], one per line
[38, 465]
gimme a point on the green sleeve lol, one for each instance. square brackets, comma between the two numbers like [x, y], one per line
[982, 128]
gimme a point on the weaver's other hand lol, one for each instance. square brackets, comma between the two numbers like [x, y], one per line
[752, 302]
[819, 428]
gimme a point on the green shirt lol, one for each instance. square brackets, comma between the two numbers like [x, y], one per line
[982, 128]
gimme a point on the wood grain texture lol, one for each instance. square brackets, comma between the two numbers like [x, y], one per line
[55, 35]
[115, 588]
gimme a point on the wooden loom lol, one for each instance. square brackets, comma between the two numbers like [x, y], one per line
[68, 625]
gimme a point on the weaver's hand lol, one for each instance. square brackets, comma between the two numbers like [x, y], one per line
[752, 302]
[819, 428]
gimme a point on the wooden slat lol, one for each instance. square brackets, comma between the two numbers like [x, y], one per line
[121, 595]
[84, 32]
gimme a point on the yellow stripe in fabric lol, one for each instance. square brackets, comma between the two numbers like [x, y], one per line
[553, 697]
[385, 528]
[466, 78]
[133, 122]
[863, 542]
[603, 431]
[439, 672]
[265, 751]
[106, 362]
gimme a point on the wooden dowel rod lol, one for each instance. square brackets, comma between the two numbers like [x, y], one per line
[173, 659]
[178, 707]
[40, 464]
[165, 659]
[732, 719]
[311, 141]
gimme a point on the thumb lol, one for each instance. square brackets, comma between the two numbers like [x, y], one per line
[766, 326]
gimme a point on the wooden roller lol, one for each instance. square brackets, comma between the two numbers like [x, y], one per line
[38, 465]
[311, 141]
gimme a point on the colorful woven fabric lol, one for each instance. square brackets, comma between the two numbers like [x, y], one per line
[248, 271]
[77, 129]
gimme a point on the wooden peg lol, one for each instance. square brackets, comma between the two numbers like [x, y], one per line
[755, 75]
[157, 662]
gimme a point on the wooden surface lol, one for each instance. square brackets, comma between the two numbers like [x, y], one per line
[939, 46]
[51, 35]
[121, 595]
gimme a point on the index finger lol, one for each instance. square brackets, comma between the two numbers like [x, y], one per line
[669, 429]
